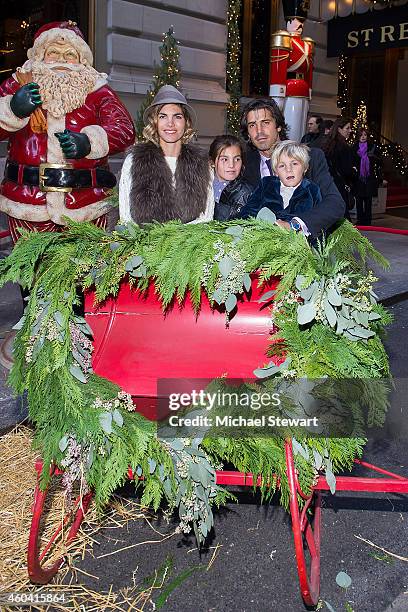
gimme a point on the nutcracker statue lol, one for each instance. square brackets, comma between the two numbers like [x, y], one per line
[292, 68]
[62, 121]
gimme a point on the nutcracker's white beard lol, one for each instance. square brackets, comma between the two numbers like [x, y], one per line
[62, 91]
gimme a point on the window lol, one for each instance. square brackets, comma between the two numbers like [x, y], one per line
[20, 19]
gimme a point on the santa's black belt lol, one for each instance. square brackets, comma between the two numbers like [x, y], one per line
[58, 177]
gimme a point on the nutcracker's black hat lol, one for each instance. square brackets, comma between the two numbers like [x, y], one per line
[295, 9]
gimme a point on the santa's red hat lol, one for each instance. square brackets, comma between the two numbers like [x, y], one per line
[64, 31]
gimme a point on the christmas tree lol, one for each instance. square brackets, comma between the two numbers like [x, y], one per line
[361, 119]
[166, 73]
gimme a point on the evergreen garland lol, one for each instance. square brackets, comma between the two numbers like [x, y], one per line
[166, 73]
[233, 68]
[87, 424]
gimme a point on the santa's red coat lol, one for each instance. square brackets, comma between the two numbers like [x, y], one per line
[102, 108]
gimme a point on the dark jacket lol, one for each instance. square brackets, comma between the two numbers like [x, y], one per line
[332, 206]
[343, 163]
[233, 197]
[305, 197]
[310, 137]
[367, 187]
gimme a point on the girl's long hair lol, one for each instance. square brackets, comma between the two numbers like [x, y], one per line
[334, 137]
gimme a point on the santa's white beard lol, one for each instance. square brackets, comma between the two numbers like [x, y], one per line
[62, 91]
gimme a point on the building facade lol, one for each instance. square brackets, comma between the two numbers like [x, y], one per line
[126, 35]
[127, 41]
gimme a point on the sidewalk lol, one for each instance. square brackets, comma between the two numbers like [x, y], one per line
[393, 220]
[12, 410]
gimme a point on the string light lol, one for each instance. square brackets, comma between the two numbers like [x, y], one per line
[166, 73]
[360, 121]
[395, 153]
[342, 89]
[233, 68]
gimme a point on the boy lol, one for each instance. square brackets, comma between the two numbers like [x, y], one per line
[288, 194]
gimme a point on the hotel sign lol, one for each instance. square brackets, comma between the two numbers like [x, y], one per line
[370, 31]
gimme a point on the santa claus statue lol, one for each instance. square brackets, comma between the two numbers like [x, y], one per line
[292, 68]
[62, 121]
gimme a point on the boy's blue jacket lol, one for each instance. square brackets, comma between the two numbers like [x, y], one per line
[267, 194]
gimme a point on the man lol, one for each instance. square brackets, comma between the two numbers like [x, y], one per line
[314, 129]
[263, 125]
[62, 121]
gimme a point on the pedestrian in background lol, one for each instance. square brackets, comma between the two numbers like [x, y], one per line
[342, 161]
[314, 129]
[366, 187]
[327, 126]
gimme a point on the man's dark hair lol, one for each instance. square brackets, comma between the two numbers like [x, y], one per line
[327, 124]
[272, 107]
[319, 121]
[318, 118]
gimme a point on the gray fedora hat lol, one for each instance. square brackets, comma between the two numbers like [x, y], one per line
[170, 95]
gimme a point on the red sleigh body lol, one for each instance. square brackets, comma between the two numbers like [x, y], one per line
[136, 344]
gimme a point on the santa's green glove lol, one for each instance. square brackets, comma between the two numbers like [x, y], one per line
[74, 144]
[26, 100]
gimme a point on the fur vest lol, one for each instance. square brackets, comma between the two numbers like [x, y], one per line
[154, 196]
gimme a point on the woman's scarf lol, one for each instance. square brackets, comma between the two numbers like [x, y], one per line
[365, 162]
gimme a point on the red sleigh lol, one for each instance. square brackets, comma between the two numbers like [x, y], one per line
[135, 343]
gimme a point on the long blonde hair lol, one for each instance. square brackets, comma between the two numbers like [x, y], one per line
[150, 131]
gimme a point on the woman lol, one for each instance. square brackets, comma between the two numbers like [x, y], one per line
[166, 178]
[368, 178]
[342, 160]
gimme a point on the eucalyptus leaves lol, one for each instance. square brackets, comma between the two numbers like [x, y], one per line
[345, 302]
[320, 461]
[195, 485]
[232, 277]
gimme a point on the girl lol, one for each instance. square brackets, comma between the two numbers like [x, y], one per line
[342, 160]
[231, 190]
